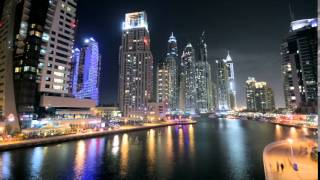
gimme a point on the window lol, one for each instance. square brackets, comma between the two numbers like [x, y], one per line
[60, 74]
[57, 87]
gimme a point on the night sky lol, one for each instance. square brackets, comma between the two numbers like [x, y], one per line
[251, 29]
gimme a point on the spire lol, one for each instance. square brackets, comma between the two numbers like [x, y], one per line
[228, 57]
[291, 11]
[172, 38]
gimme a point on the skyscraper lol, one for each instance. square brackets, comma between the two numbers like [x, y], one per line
[259, 96]
[86, 71]
[187, 80]
[299, 66]
[225, 84]
[135, 64]
[163, 83]
[40, 38]
[167, 81]
[204, 99]
[232, 88]
[222, 86]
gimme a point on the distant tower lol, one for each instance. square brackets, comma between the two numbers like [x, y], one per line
[135, 65]
[204, 99]
[187, 81]
[231, 79]
[259, 96]
[86, 71]
[168, 74]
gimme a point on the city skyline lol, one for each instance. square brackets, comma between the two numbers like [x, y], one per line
[248, 48]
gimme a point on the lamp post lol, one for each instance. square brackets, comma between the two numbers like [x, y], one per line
[290, 141]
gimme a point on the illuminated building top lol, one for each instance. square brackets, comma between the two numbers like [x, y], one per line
[135, 20]
[299, 24]
[172, 38]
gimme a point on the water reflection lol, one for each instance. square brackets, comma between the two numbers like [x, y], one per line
[191, 140]
[278, 132]
[124, 155]
[180, 141]
[5, 164]
[115, 145]
[36, 161]
[80, 158]
[151, 150]
[293, 133]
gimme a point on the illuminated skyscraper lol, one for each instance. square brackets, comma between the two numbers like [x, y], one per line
[204, 99]
[136, 65]
[232, 90]
[222, 83]
[163, 80]
[187, 80]
[299, 66]
[168, 74]
[259, 96]
[225, 84]
[86, 71]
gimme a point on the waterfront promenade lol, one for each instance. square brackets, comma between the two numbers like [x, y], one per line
[280, 157]
[70, 137]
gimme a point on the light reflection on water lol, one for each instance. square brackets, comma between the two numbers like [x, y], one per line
[161, 153]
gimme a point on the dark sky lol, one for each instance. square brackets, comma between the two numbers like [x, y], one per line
[251, 29]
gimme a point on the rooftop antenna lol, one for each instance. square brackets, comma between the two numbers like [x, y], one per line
[291, 11]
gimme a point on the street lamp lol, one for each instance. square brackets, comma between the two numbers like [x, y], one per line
[290, 141]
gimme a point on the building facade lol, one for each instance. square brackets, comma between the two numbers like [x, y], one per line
[259, 96]
[299, 66]
[204, 99]
[172, 62]
[163, 80]
[135, 65]
[225, 84]
[187, 80]
[86, 71]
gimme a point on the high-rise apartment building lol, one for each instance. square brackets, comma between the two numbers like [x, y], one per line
[259, 96]
[232, 88]
[204, 99]
[225, 84]
[38, 40]
[163, 83]
[167, 76]
[86, 71]
[299, 66]
[135, 65]
[187, 80]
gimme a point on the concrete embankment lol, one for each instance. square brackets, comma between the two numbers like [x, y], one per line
[71, 137]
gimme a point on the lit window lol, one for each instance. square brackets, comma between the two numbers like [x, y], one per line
[58, 80]
[57, 87]
[61, 68]
[60, 74]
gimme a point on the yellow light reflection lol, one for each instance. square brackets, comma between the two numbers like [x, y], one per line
[180, 141]
[124, 155]
[305, 131]
[80, 158]
[191, 138]
[169, 143]
[151, 150]
[278, 132]
[293, 133]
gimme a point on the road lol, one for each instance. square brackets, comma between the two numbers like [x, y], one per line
[280, 152]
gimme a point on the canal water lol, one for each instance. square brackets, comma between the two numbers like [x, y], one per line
[210, 149]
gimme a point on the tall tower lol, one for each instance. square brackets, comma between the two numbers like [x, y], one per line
[232, 89]
[299, 66]
[136, 65]
[187, 81]
[259, 96]
[222, 83]
[171, 63]
[86, 71]
[204, 99]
